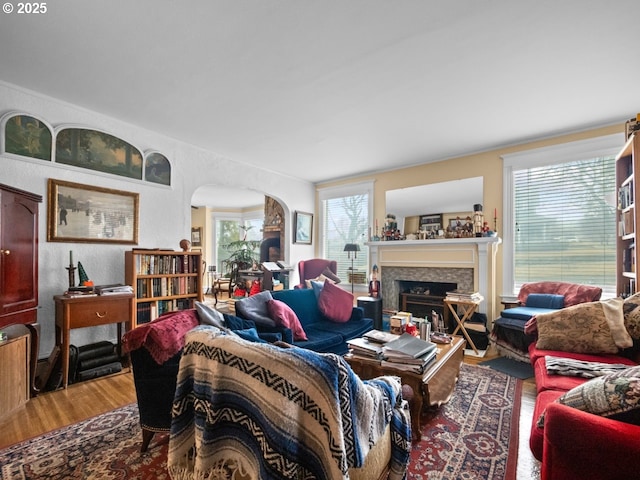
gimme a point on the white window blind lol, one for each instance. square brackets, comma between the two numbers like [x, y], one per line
[344, 218]
[565, 223]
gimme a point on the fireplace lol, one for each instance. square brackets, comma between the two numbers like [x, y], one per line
[421, 298]
[467, 263]
[395, 280]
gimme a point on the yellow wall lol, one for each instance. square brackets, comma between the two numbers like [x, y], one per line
[486, 164]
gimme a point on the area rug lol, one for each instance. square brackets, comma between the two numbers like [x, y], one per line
[472, 437]
[475, 435]
[510, 366]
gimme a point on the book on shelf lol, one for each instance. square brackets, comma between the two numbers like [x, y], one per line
[364, 348]
[407, 346]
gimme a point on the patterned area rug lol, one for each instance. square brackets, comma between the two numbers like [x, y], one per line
[474, 436]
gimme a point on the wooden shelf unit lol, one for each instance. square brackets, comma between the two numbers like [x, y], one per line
[163, 281]
[627, 175]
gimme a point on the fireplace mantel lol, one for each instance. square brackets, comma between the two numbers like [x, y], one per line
[477, 253]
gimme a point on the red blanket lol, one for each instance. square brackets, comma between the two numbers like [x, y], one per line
[164, 337]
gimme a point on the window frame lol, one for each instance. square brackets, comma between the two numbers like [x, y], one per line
[606, 145]
[345, 190]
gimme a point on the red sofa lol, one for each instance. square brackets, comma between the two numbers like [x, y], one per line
[571, 443]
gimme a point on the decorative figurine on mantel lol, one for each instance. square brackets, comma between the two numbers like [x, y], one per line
[374, 283]
[185, 245]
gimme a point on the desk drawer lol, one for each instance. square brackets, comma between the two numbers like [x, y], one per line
[99, 313]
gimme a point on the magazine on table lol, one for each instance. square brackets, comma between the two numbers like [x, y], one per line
[415, 365]
[408, 346]
[364, 348]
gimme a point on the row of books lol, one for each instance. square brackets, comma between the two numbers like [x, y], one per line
[147, 312]
[166, 264]
[403, 352]
[165, 286]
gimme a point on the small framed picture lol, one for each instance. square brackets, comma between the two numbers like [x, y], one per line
[196, 236]
[303, 224]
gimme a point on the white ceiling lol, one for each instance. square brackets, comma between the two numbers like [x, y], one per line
[325, 89]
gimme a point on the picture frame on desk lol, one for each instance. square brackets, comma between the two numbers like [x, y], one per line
[303, 224]
[88, 214]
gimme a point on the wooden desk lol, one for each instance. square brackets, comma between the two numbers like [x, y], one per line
[80, 312]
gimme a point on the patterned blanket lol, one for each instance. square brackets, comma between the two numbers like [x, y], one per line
[247, 410]
[580, 368]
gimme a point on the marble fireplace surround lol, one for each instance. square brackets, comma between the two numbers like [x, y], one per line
[469, 262]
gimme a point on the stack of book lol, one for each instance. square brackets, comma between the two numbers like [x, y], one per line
[409, 353]
[116, 289]
[464, 296]
[361, 347]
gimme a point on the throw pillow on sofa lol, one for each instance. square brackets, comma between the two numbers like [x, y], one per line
[631, 308]
[284, 316]
[595, 327]
[335, 303]
[615, 395]
[255, 308]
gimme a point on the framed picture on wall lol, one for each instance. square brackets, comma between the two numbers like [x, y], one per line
[90, 214]
[196, 236]
[303, 225]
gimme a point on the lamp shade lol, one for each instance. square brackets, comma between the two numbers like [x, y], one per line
[352, 247]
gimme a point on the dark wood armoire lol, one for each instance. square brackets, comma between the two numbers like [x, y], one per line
[19, 262]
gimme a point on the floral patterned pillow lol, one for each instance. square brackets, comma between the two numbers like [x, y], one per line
[613, 395]
[595, 328]
[631, 308]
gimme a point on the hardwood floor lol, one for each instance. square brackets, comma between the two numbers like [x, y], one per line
[52, 410]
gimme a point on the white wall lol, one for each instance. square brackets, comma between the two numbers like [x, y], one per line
[165, 212]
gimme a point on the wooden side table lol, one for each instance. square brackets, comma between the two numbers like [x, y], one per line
[468, 308]
[90, 311]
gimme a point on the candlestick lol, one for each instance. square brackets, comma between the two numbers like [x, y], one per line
[72, 275]
[70, 257]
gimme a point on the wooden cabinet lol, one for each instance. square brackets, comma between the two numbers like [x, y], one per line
[627, 174]
[14, 370]
[19, 263]
[163, 281]
[18, 256]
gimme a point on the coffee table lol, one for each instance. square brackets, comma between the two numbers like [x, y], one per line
[431, 388]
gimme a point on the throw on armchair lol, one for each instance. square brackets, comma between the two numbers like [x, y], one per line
[509, 335]
[156, 348]
[262, 411]
[312, 269]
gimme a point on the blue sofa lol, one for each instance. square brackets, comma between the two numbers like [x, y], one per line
[323, 334]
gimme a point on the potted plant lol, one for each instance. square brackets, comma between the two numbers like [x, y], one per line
[243, 255]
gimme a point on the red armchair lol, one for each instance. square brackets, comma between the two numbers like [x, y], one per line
[583, 446]
[310, 269]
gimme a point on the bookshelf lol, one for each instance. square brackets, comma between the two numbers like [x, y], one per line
[163, 281]
[627, 173]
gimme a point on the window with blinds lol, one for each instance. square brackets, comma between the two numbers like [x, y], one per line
[345, 219]
[565, 223]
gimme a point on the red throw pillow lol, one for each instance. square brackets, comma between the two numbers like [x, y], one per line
[335, 303]
[284, 316]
